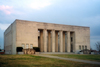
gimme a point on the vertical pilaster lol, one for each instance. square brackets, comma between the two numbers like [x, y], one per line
[61, 42]
[49, 41]
[45, 40]
[25, 46]
[53, 40]
[29, 46]
[56, 40]
[68, 41]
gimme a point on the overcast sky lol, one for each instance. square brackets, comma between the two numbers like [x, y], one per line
[69, 12]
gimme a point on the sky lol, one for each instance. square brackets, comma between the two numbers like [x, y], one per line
[69, 12]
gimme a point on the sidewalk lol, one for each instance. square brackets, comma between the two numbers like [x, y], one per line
[71, 59]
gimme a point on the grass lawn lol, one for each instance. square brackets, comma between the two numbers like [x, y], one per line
[76, 56]
[37, 61]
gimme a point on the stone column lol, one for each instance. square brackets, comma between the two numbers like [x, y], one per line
[61, 42]
[53, 40]
[68, 41]
[56, 40]
[45, 40]
[41, 41]
[49, 41]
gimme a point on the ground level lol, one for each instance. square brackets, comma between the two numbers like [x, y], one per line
[37, 61]
[78, 56]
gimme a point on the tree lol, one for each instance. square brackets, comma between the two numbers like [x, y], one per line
[0, 48]
[91, 48]
[98, 46]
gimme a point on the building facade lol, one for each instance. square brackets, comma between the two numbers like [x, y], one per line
[48, 37]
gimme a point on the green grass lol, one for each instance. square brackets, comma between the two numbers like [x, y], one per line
[76, 56]
[37, 61]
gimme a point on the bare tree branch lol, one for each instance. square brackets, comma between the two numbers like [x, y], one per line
[98, 46]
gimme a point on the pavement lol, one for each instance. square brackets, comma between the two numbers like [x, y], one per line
[71, 59]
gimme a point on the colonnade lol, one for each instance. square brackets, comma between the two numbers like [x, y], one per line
[56, 41]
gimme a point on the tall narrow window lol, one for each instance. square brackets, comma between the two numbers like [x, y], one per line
[27, 46]
[31, 46]
[80, 47]
[23, 46]
[85, 47]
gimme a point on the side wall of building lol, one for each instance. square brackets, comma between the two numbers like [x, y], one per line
[82, 38]
[10, 39]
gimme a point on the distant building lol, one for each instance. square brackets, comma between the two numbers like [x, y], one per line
[48, 37]
[1, 51]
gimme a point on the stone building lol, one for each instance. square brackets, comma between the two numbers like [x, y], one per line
[48, 37]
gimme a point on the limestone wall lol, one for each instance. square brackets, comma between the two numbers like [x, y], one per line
[26, 33]
[10, 39]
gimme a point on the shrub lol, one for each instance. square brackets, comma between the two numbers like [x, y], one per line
[37, 49]
[19, 49]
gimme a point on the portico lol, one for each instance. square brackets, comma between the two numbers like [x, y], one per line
[56, 40]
